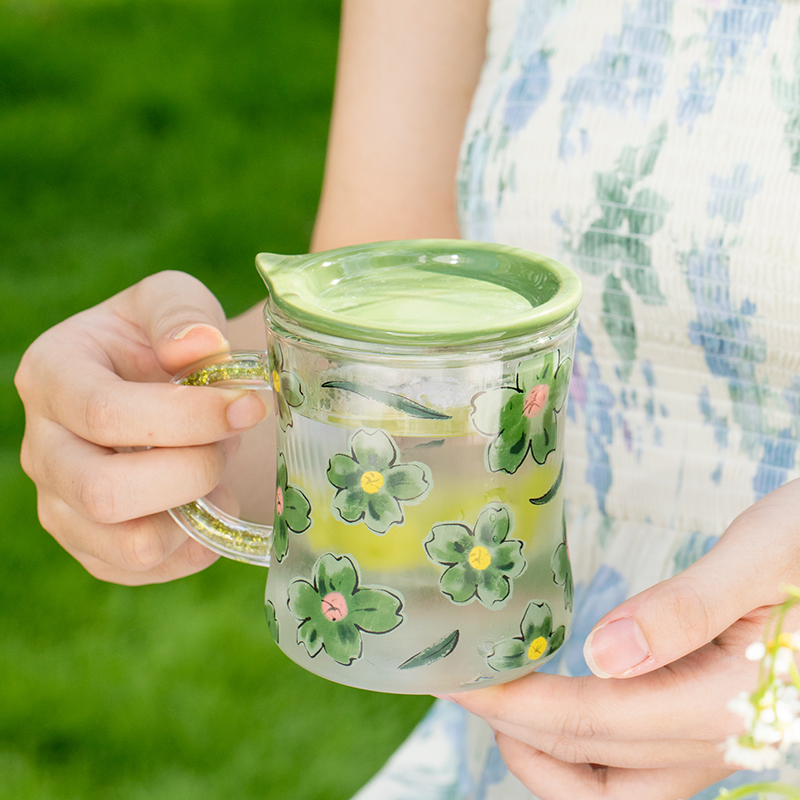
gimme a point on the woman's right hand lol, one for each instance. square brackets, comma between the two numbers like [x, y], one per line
[97, 384]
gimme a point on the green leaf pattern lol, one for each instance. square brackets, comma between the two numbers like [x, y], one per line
[435, 652]
[272, 621]
[562, 569]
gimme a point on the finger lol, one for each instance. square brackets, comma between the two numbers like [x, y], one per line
[189, 558]
[96, 373]
[634, 754]
[151, 549]
[107, 486]
[181, 318]
[551, 779]
[672, 703]
[104, 409]
[677, 616]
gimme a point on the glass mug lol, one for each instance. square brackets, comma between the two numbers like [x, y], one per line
[420, 390]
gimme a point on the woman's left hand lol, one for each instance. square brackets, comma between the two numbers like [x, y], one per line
[653, 723]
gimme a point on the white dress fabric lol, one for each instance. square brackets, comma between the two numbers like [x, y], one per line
[654, 146]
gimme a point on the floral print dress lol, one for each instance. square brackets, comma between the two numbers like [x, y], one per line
[654, 146]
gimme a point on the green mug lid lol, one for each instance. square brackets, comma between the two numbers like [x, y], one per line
[420, 292]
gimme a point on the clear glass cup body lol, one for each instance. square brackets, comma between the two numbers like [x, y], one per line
[419, 542]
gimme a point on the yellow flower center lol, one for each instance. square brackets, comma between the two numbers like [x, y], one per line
[276, 380]
[479, 558]
[371, 481]
[537, 648]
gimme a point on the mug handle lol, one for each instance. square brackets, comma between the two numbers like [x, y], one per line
[202, 520]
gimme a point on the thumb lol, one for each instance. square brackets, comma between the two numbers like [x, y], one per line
[182, 319]
[679, 615]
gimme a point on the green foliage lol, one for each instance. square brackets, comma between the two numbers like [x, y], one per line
[135, 136]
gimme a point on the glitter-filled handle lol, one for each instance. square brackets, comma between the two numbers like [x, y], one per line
[202, 520]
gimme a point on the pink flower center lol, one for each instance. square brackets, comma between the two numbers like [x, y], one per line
[535, 400]
[279, 500]
[334, 606]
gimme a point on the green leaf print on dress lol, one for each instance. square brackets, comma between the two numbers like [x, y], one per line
[371, 483]
[335, 609]
[786, 93]
[286, 388]
[522, 419]
[292, 511]
[537, 640]
[615, 243]
[481, 563]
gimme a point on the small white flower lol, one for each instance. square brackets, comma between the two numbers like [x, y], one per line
[785, 713]
[743, 706]
[791, 741]
[789, 693]
[791, 735]
[767, 716]
[783, 660]
[765, 733]
[755, 758]
[755, 651]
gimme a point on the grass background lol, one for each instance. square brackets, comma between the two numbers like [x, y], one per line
[138, 135]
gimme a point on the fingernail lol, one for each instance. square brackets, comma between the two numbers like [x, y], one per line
[190, 330]
[613, 649]
[246, 411]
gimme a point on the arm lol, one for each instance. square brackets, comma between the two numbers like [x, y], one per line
[405, 78]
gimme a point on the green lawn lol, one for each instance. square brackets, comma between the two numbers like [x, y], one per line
[138, 135]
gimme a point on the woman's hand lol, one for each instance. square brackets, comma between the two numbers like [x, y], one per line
[652, 725]
[98, 382]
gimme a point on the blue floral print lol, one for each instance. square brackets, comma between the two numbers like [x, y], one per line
[626, 74]
[730, 34]
[654, 146]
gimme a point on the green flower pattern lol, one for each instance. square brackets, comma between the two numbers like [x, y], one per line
[537, 640]
[335, 609]
[481, 563]
[371, 484]
[292, 511]
[523, 418]
[272, 621]
[562, 569]
[286, 388]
